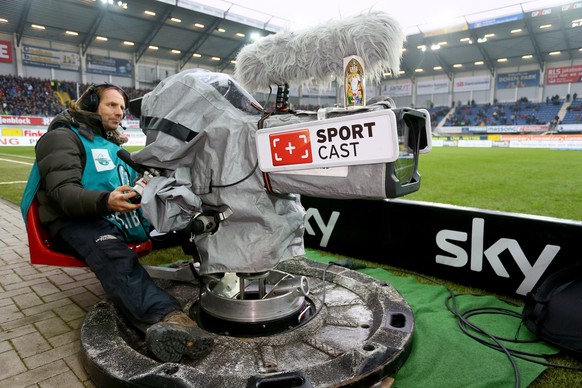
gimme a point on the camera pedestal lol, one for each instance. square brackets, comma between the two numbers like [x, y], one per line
[360, 333]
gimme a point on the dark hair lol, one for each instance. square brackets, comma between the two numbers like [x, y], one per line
[89, 100]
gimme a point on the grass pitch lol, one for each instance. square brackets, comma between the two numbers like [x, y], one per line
[531, 181]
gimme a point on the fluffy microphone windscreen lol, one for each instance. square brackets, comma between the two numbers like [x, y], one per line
[314, 56]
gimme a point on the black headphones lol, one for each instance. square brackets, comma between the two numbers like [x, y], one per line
[89, 101]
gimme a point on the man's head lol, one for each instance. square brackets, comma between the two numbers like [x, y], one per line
[108, 101]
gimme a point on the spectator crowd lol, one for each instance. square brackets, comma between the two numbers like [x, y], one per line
[29, 96]
[519, 112]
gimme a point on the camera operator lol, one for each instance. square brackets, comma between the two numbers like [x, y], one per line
[85, 202]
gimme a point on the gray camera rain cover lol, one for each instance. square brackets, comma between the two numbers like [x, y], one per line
[206, 123]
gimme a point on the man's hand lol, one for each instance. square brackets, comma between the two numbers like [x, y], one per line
[117, 201]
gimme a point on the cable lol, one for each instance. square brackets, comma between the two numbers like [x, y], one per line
[495, 342]
[249, 174]
[461, 321]
[323, 292]
[239, 181]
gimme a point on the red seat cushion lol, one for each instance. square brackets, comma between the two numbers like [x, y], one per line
[41, 250]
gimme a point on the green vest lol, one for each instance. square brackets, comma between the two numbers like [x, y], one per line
[104, 170]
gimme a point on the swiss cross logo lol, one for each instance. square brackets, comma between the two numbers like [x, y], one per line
[289, 148]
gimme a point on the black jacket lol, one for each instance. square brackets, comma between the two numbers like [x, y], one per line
[61, 158]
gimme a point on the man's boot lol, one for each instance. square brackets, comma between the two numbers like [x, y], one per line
[177, 335]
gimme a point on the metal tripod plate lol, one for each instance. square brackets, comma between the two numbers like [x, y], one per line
[361, 333]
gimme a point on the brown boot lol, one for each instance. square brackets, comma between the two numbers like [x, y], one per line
[177, 335]
[179, 318]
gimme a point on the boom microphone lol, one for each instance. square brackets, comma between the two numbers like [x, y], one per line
[314, 55]
[124, 155]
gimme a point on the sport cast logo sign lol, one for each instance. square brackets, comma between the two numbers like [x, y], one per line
[357, 139]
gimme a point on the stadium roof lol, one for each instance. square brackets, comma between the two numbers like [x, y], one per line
[192, 32]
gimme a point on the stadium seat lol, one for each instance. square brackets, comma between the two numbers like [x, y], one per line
[42, 251]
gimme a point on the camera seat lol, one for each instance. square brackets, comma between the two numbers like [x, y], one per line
[42, 249]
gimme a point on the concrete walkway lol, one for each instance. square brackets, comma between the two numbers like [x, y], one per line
[41, 312]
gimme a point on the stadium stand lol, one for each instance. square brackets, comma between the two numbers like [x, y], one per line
[574, 113]
[437, 114]
[521, 112]
[436, 74]
[28, 96]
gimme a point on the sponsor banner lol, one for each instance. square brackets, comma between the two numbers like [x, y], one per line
[397, 90]
[532, 128]
[569, 128]
[24, 120]
[500, 144]
[11, 131]
[432, 87]
[450, 130]
[519, 79]
[571, 7]
[505, 253]
[551, 144]
[30, 137]
[546, 141]
[499, 20]
[112, 66]
[474, 137]
[542, 137]
[489, 128]
[540, 12]
[56, 59]
[475, 129]
[475, 143]
[556, 10]
[558, 142]
[563, 75]
[501, 129]
[18, 141]
[25, 131]
[45, 121]
[5, 51]
[468, 84]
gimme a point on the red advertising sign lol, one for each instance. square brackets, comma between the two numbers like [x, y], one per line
[357, 139]
[564, 75]
[288, 148]
[5, 51]
[24, 120]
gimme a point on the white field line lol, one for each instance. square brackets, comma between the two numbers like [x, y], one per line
[14, 161]
[17, 156]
